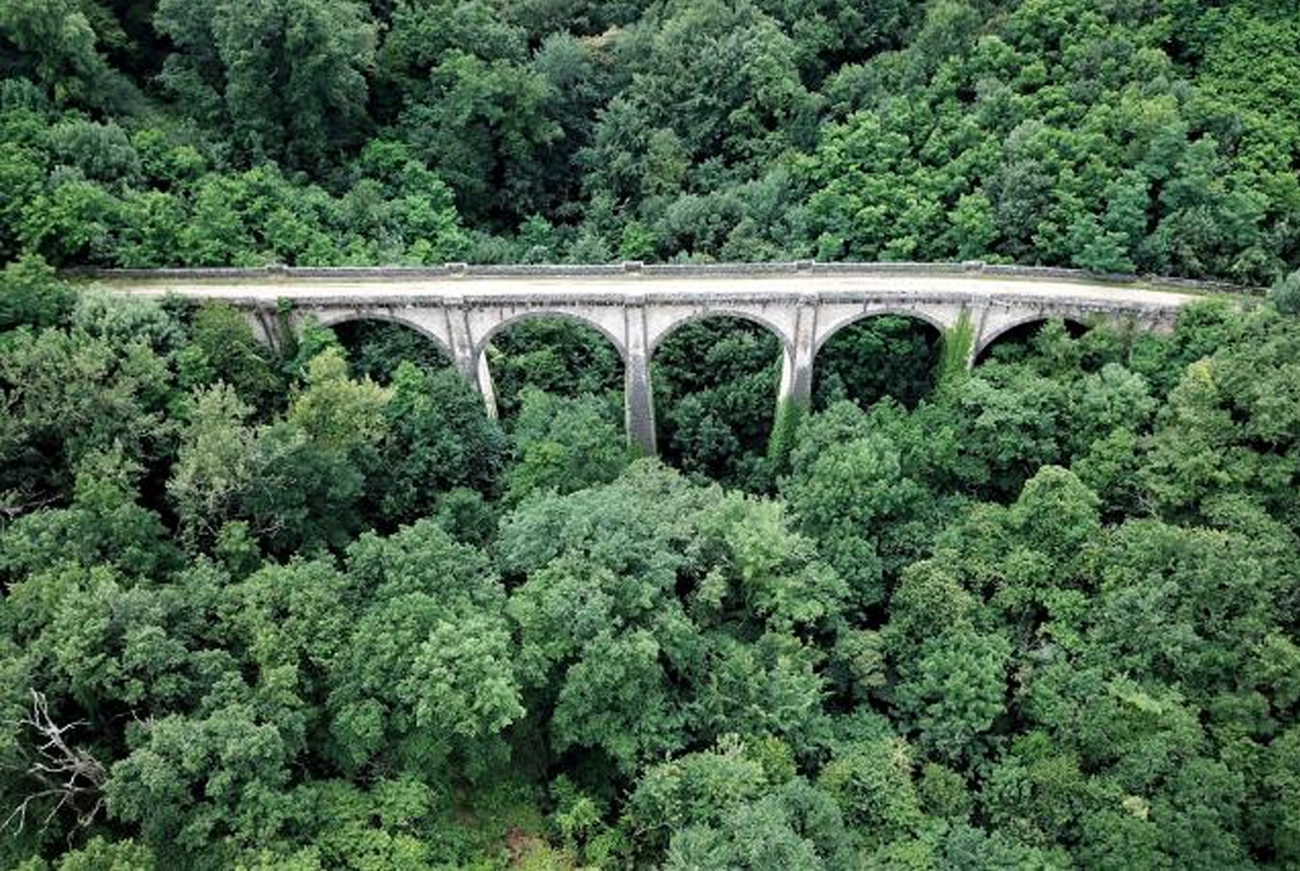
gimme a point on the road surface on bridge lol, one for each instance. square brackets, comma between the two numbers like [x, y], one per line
[267, 289]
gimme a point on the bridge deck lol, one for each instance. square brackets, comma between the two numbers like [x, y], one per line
[261, 289]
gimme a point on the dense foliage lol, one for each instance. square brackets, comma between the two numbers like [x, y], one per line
[315, 608]
[1116, 135]
[321, 611]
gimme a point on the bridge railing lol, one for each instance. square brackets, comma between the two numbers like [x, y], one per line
[665, 270]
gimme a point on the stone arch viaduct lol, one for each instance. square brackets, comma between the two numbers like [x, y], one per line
[637, 306]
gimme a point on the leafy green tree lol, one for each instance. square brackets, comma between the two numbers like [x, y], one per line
[871, 781]
[400, 197]
[485, 128]
[621, 623]
[580, 82]
[104, 524]
[428, 675]
[337, 412]
[1106, 401]
[847, 488]
[956, 691]
[1009, 422]
[437, 437]
[869, 360]
[1204, 620]
[1038, 793]
[1286, 294]
[422, 33]
[215, 462]
[770, 686]
[222, 348]
[375, 349]
[72, 220]
[563, 445]
[102, 152]
[286, 80]
[32, 295]
[23, 172]
[56, 42]
[722, 79]
[795, 828]
[554, 355]
[715, 389]
[297, 480]
[71, 397]
[100, 854]
[207, 783]
[723, 807]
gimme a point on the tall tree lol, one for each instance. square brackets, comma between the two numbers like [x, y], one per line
[286, 79]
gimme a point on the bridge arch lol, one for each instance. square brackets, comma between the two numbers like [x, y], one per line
[992, 336]
[562, 355]
[784, 334]
[532, 314]
[839, 325]
[333, 319]
[865, 358]
[717, 375]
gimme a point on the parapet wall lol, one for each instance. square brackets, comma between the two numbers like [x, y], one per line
[665, 270]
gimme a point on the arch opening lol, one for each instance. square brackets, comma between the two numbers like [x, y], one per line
[1017, 343]
[715, 381]
[376, 346]
[549, 316]
[744, 317]
[878, 356]
[557, 355]
[439, 453]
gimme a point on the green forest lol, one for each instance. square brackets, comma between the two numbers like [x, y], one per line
[311, 607]
[1150, 136]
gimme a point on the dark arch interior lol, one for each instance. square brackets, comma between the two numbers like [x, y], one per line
[715, 385]
[377, 348]
[889, 355]
[1017, 343]
[556, 355]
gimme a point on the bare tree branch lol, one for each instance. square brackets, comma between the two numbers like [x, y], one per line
[64, 772]
[13, 505]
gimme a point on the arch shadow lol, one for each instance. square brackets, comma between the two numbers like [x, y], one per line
[1024, 330]
[716, 376]
[877, 355]
[377, 343]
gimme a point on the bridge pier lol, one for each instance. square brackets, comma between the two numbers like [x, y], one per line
[638, 389]
[797, 365]
[968, 331]
[482, 379]
[460, 341]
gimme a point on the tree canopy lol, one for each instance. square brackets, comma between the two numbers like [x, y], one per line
[313, 607]
[1114, 137]
[274, 612]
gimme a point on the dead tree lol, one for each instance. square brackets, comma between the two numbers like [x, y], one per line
[66, 774]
